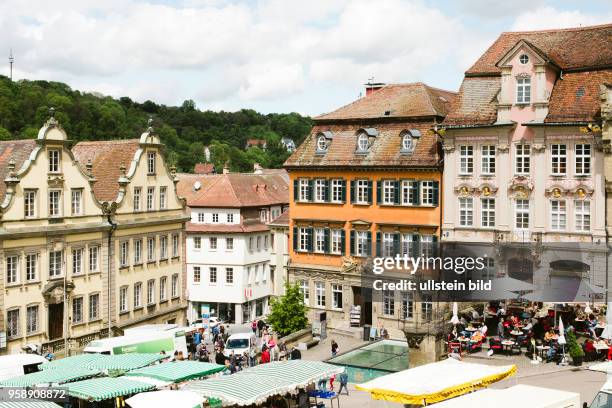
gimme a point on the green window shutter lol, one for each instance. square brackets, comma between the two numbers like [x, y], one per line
[296, 191]
[436, 192]
[352, 191]
[343, 190]
[378, 244]
[396, 243]
[415, 193]
[369, 244]
[295, 239]
[378, 191]
[310, 240]
[342, 242]
[352, 243]
[326, 240]
[436, 246]
[310, 190]
[416, 245]
[396, 192]
[369, 191]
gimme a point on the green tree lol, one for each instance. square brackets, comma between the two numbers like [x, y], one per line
[288, 312]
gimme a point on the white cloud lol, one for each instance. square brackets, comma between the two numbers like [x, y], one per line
[549, 17]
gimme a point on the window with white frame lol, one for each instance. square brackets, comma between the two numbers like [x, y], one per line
[427, 193]
[336, 241]
[337, 187]
[488, 272]
[258, 240]
[387, 244]
[151, 249]
[320, 190]
[12, 323]
[77, 261]
[137, 251]
[94, 258]
[487, 213]
[212, 274]
[197, 274]
[320, 294]
[583, 159]
[163, 247]
[427, 245]
[137, 198]
[466, 160]
[150, 198]
[523, 159]
[265, 245]
[250, 244]
[55, 205]
[174, 288]
[388, 192]
[466, 211]
[12, 269]
[151, 163]
[523, 90]
[77, 310]
[215, 218]
[201, 217]
[363, 142]
[229, 243]
[229, 276]
[426, 307]
[582, 211]
[558, 215]
[305, 289]
[524, 59]
[361, 243]
[213, 243]
[150, 292]
[410, 191]
[123, 253]
[94, 306]
[304, 189]
[488, 159]
[521, 214]
[197, 243]
[362, 193]
[319, 239]
[175, 245]
[388, 298]
[29, 203]
[407, 305]
[55, 263]
[337, 296]
[123, 299]
[163, 197]
[76, 201]
[229, 218]
[303, 239]
[31, 267]
[558, 159]
[162, 288]
[32, 319]
[408, 245]
[54, 160]
[137, 295]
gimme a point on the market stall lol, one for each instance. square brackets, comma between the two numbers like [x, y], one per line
[177, 371]
[57, 376]
[435, 382]
[105, 388]
[105, 362]
[29, 404]
[165, 398]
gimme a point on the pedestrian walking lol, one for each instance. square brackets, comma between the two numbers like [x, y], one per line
[254, 326]
[334, 348]
[265, 355]
[252, 356]
[343, 383]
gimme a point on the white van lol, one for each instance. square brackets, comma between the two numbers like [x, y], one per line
[239, 343]
[168, 341]
[15, 365]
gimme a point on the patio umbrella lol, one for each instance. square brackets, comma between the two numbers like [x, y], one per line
[561, 340]
[170, 398]
[455, 319]
[607, 331]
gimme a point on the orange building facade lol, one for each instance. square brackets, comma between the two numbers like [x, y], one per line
[366, 183]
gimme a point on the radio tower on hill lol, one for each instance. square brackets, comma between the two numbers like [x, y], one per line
[11, 61]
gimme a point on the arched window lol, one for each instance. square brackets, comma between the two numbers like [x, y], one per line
[321, 143]
[363, 142]
[407, 143]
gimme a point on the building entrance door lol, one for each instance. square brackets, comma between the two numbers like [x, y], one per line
[56, 321]
[363, 297]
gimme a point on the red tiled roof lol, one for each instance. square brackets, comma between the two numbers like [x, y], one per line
[256, 142]
[282, 219]
[398, 100]
[234, 190]
[106, 157]
[575, 98]
[204, 168]
[225, 228]
[476, 103]
[572, 48]
[384, 152]
[18, 151]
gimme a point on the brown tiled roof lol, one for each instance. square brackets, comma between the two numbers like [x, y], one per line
[225, 228]
[234, 190]
[106, 157]
[384, 152]
[476, 103]
[573, 48]
[399, 100]
[576, 96]
[255, 142]
[204, 168]
[282, 219]
[19, 151]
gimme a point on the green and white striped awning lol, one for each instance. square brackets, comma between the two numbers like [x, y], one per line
[104, 362]
[29, 404]
[103, 388]
[255, 385]
[177, 371]
[57, 376]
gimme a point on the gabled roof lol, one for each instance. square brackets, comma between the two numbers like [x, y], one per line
[18, 151]
[234, 190]
[570, 49]
[395, 101]
[106, 158]
[476, 103]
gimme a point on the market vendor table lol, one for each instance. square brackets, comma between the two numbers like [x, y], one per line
[324, 395]
[508, 345]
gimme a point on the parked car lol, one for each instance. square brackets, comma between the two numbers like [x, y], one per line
[239, 343]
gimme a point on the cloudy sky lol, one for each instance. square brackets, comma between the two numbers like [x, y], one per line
[270, 55]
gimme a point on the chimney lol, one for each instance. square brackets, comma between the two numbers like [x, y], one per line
[226, 168]
[257, 169]
[372, 87]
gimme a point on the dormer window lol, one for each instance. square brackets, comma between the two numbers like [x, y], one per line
[321, 144]
[363, 142]
[524, 59]
[408, 140]
[54, 161]
[407, 145]
[523, 90]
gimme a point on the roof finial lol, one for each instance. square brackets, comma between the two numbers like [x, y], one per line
[150, 125]
[52, 112]
[122, 168]
[173, 170]
[11, 165]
